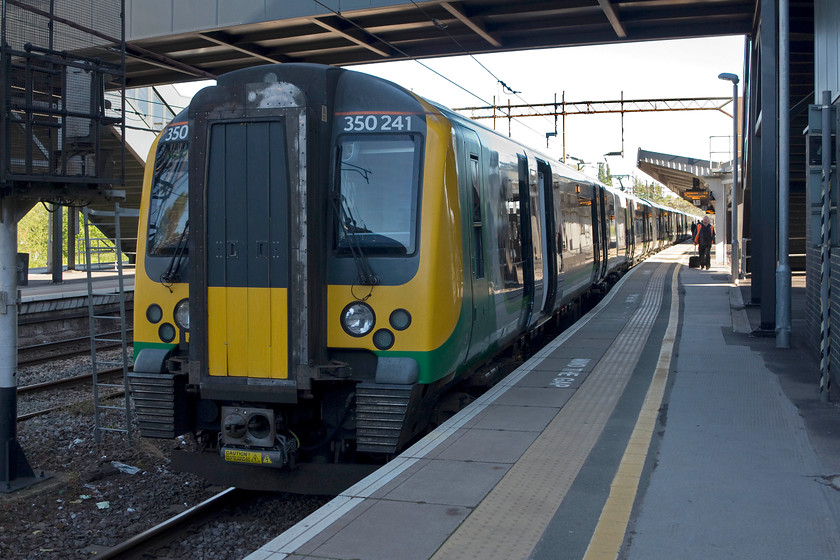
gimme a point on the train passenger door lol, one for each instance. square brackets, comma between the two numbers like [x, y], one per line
[603, 233]
[482, 326]
[536, 196]
[526, 213]
[628, 225]
[631, 230]
[551, 254]
[611, 228]
[597, 239]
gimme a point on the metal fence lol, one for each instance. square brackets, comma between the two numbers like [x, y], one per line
[57, 59]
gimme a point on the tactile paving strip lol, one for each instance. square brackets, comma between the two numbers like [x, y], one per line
[510, 521]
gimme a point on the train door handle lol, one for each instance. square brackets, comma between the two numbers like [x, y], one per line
[262, 249]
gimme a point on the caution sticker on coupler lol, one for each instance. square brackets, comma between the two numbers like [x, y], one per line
[266, 458]
[239, 456]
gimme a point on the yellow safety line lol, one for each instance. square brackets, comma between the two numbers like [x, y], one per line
[512, 517]
[609, 534]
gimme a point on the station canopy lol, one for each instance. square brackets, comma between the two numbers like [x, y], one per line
[184, 41]
[685, 176]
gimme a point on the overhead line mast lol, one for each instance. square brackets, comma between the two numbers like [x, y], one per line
[620, 106]
[603, 107]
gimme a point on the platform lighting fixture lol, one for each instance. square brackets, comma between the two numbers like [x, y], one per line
[735, 258]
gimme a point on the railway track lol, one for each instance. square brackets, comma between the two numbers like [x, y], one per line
[33, 414]
[65, 348]
[64, 382]
[147, 544]
[53, 375]
[72, 380]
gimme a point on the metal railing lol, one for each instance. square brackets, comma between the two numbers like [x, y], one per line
[103, 254]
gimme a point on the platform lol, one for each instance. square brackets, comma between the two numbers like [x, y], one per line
[42, 296]
[656, 427]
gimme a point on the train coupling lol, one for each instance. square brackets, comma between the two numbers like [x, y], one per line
[249, 436]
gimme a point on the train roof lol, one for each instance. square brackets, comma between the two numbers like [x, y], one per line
[310, 69]
[571, 171]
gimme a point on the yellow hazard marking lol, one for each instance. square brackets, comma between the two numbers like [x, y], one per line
[237, 456]
[267, 459]
[609, 534]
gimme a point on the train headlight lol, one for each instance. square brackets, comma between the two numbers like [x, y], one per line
[357, 319]
[182, 314]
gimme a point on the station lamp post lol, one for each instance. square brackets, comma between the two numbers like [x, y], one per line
[736, 257]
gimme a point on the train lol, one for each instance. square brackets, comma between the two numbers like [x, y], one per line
[323, 253]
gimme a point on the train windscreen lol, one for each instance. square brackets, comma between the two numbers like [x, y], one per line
[168, 205]
[378, 194]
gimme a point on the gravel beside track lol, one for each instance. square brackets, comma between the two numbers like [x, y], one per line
[52, 371]
[93, 502]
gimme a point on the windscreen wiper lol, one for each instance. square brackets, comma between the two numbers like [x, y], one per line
[363, 171]
[171, 275]
[350, 228]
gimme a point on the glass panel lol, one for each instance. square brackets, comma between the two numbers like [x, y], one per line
[168, 208]
[535, 192]
[478, 245]
[379, 182]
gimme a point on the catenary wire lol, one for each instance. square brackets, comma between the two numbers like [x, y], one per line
[429, 68]
[442, 29]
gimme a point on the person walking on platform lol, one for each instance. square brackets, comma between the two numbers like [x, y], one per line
[704, 238]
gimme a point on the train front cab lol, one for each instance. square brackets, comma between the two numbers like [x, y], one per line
[331, 295]
[161, 289]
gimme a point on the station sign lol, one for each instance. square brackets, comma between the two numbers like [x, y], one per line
[696, 194]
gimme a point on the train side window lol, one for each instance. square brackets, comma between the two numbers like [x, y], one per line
[478, 228]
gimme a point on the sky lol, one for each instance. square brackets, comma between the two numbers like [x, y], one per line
[686, 68]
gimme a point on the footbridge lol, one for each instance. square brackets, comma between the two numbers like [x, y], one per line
[182, 40]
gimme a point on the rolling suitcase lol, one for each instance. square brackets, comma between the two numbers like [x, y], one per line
[694, 261]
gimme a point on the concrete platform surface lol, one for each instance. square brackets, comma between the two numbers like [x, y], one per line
[680, 434]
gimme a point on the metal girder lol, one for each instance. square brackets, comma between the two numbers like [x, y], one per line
[166, 63]
[478, 28]
[354, 34]
[609, 11]
[227, 40]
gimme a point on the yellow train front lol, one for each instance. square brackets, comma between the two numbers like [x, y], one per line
[323, 253]
[321, 317]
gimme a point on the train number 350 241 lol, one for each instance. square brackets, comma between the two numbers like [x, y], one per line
[371, 123]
